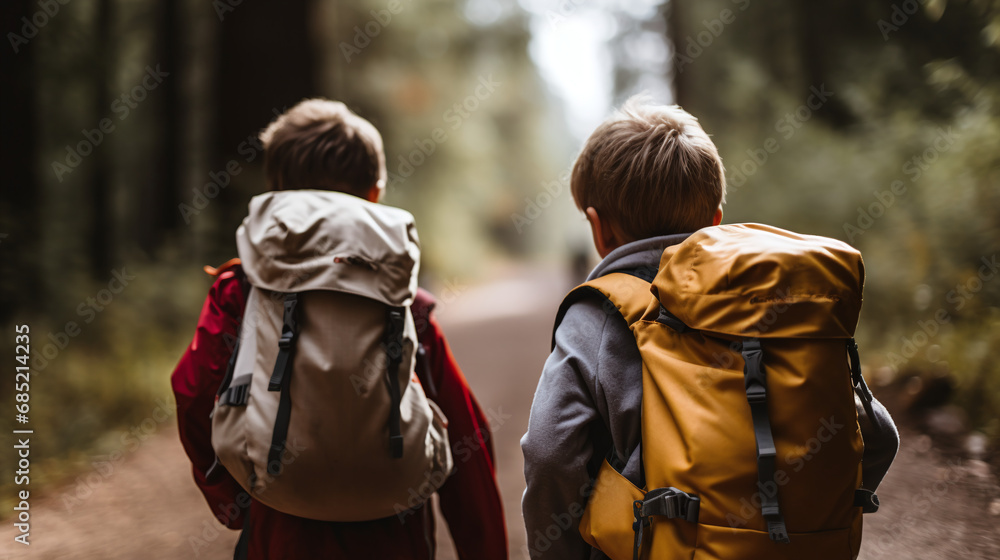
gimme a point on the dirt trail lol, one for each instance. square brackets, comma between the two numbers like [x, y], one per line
[934, 507]
[149, 508]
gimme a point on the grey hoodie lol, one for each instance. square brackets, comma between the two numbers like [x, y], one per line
[588, 403]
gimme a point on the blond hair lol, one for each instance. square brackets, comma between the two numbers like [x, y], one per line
[650, 170]
[321, 144]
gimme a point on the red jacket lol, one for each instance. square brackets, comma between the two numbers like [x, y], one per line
[469, 499]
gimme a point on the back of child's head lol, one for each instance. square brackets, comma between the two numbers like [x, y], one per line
[650, 170]
[321, 144]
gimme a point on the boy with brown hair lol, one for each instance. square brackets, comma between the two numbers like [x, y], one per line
[328, 152]
[647, 178]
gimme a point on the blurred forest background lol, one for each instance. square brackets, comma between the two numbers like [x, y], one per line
[127, 142]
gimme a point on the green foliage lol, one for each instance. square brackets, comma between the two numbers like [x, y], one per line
[902, 161]
[408, 72]
[969, 351]
[818, 111]
[96, 395]
[466, 122]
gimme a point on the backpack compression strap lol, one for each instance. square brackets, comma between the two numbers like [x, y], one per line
[864, 499]
[755, 379]
[666, 502]
[227, 393]
[755, 382]
[393, 344]
[241, 276]
[280, 380]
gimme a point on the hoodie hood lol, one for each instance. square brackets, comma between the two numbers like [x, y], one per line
[643, 255]
[300, 240]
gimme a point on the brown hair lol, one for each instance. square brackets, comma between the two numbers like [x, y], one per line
[650, 170]
[321, 144]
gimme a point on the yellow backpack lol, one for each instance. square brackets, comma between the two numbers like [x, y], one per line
[750, 439]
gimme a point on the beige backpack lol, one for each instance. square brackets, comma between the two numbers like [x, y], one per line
[320, 414]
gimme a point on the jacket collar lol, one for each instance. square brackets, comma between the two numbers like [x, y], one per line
[641, 253]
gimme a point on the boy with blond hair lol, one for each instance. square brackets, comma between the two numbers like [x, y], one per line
[332, 161]
[646, 179]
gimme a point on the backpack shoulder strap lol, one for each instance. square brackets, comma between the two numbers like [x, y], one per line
[626, 292]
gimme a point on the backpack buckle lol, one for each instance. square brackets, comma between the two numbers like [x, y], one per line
[858, 380]
[866, 500]
[638, 521]
[668, 502]
[289, 322]
[756, 394]
[778, 532]
[753, 371]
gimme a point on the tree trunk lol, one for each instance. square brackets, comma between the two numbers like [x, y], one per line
[157, 212]
[20, 200]
[675, 28]
[265, 64]
[99, 239]
[816, 41]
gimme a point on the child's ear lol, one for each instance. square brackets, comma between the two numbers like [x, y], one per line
[605, 239]
[374, 193]
[717, 219]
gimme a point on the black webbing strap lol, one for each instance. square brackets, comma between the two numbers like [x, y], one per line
[664, 502]
[286, 344]
[242, 551]
[866, 500]
[424, 373]
[393, 343]
[669, 319]
[859, 381]
[280, 380]
[238, 392]
[227, 379]
[756, 387]
[647, 273]
[214, 469]
[231, 365]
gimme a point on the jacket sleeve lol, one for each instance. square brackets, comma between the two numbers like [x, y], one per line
[470, 499]
[559, 445]
[195, 382]
[881, 443]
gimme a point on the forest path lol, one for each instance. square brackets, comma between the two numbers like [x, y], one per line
[148, 508]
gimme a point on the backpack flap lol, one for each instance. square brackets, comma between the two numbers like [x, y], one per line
[752, 280]
[301, 240]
